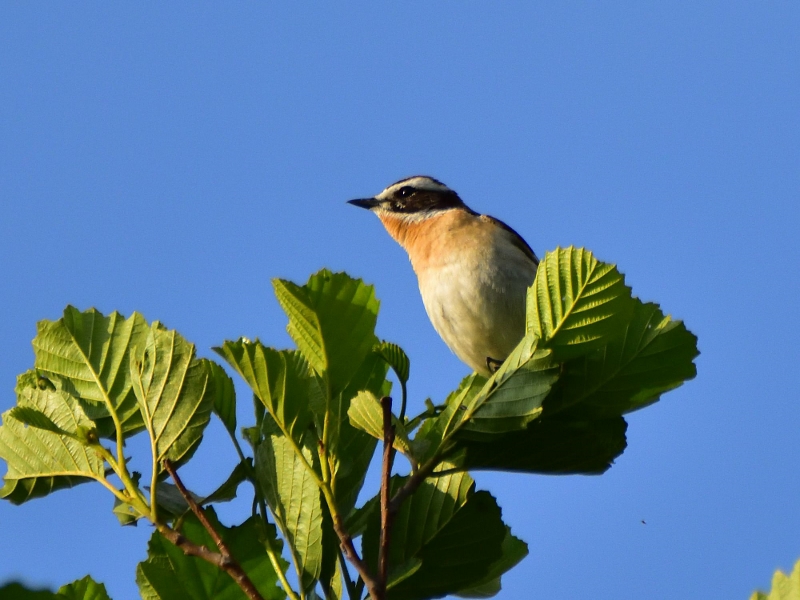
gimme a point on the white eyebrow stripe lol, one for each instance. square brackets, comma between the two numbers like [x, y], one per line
[418, 182]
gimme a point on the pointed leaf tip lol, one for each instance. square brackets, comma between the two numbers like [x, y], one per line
[332, 320]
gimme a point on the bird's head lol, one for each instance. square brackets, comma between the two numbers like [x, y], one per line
[412, 199]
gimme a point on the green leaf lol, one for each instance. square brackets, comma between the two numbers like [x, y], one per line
[331, 319]
[514, 550]
[39, 460]
[84, 589]
[93, 352]
[396, 358]
[169, 574]
[467, 552]
[227, 491]
[433, 431]
[279, 379]
[173, 391]
[294, 499]
[652, 355]
[358, 520]
[507, 401]
[171, 502]
[224, 405]
[576, 303]
[419, 519]
[513, 396]
[784, 587]
[34, 418]
[352, 449]
[330, 577]
[17, 591]
[366, 414]
[332, 586]
[550, 446]
[126, 514]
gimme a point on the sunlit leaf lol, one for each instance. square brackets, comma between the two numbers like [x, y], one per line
[576, 303]
[513, 396]
[366, 414]
[41, 461]
[35, 418]
[224, 405]
[93, 352]
[350, 448]
[83, 589]
[651, 355]
[279, 379]
[173, 392]
[294, 498]
[784, 587]
[434, 430]
[396, 358]
[331, 319]
[507, 401]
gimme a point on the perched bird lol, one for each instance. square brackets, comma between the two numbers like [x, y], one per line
[473, 270]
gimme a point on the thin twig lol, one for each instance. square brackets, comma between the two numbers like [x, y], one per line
[412, 483]
[351, 554]
[190, 548]
[224, 560]
[387, 517]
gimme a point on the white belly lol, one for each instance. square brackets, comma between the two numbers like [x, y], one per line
[479, 312]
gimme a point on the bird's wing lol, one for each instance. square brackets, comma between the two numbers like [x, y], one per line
[516, 238]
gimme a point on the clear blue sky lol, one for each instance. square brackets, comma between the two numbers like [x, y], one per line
[172, 158]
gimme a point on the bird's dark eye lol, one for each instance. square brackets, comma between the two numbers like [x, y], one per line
[405, 192]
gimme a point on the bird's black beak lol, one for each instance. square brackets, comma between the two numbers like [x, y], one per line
[368, 203]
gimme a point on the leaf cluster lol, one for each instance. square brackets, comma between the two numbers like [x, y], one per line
[591, 353]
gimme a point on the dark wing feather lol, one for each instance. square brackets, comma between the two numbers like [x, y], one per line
[516, 238]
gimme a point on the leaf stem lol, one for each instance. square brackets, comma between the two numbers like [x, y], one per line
[135, 496]
[403, 396]
[236, 445]
[273, 554]
[224, 560]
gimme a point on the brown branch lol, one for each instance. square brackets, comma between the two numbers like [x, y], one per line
[190, 548]
[351, 554]
[387, 517]
[412, 483]
[224, 559]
